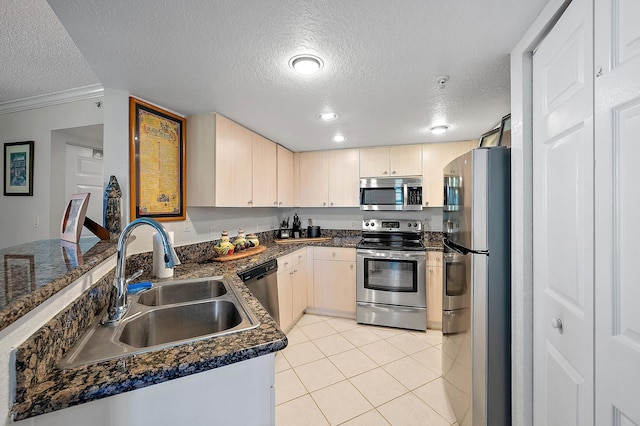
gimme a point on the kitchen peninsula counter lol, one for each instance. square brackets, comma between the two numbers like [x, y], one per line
[42, 387]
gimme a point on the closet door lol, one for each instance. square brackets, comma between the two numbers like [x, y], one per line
[563, 250]
[617, 231]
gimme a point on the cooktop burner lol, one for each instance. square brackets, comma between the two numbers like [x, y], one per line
[391, 234]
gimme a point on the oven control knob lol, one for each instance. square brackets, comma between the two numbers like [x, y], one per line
[415, 224]
[409, 225]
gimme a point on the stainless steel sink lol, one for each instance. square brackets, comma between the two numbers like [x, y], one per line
[186, 291]
[176, 318]
[177, 323]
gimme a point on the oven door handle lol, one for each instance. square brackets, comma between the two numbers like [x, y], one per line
[462, 249]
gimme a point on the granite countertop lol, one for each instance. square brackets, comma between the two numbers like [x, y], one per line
[33, 272]
[42, 387]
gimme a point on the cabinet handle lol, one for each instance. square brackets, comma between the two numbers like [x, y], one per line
[332, 203]
[324, 203]
[286, 263]
[295, 270]
[291, 273]
[250, 202]
[300, 256]
[431, 271]
[280, 203]
[275, 203]
[385, 172]
[351, 266]
[393, 172]
[334, 254]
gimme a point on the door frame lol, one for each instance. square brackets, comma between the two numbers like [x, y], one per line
[522, 211]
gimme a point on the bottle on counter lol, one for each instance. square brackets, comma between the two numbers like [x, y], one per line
[224, 246]
[240, 242]
[253, 239]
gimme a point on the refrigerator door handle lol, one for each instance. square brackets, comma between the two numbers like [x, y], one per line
[462, 249]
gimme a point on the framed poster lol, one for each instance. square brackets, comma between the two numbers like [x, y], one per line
[19, 274]
[18, 168]
[157, 162]
[73, 218]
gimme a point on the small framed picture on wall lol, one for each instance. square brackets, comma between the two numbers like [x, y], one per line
[18, 168]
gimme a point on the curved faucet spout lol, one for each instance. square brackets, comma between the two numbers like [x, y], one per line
[118, 297]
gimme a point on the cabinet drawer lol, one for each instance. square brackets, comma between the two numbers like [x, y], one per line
[334, 253]
[291, 259]
[434, 258]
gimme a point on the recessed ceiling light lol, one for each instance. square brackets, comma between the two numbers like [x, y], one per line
[339, 138]
[328, 116]
[306, 64]
[439, 130]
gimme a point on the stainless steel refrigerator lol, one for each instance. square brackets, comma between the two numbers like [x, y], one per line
[476, 350]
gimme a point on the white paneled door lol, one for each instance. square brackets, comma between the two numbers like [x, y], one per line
[563, 247]
[84, 174]
[617, 231]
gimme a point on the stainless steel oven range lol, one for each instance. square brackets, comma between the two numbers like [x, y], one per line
[390, 274]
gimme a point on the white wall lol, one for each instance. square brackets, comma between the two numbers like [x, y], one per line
[18, 212]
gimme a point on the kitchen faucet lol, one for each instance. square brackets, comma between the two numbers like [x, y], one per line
[118, 295]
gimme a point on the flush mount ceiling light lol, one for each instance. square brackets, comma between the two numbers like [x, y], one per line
[339, 138]
[306, 64]
[328, 116]
[439, 130]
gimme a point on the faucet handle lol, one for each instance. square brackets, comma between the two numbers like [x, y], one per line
[134, 276]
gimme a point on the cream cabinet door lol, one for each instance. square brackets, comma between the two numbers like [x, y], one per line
[264, 176]
[405, 160]
[434, 157]
[334, 285]
[285, 177]
[374, 162]
[344, 178]
[233, 149]
[299, 284]
[434, 290]
[314, 179]
[285, 297]
[200, 160]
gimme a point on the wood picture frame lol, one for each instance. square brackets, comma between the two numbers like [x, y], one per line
[73, 218]
[157, 168]
[19, 274]
[491, 138]
[18, 168]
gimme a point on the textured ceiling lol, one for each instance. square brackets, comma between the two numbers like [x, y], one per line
[37, 56]
[382, 58]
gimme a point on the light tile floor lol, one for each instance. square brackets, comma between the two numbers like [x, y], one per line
[337, 372]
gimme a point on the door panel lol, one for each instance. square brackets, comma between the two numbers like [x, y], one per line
[84, 174]
[563, 221]
[617, 90]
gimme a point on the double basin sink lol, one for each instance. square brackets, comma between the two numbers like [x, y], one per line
[167, 314]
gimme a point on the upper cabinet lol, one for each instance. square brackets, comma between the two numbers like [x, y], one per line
[328, 178]
[228, 165]
[313, 169]
[344, 178]
[399, 160]
[264, 172]
[285, 177]
[434, 157]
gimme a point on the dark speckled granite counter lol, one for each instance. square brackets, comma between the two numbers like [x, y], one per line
[33, 272]
[42, 387]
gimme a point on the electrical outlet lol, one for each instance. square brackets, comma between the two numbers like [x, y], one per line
[186, 226]
[36, 222]
[212, 234]
[353, 224]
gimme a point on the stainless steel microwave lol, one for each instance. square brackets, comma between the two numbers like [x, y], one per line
[391, 193]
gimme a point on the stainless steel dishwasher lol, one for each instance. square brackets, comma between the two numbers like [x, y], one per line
[262, 281]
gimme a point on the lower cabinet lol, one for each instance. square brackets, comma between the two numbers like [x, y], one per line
[292, 287]
[434, 289]
[334, 280]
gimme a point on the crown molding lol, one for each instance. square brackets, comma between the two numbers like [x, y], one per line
[56, 98]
